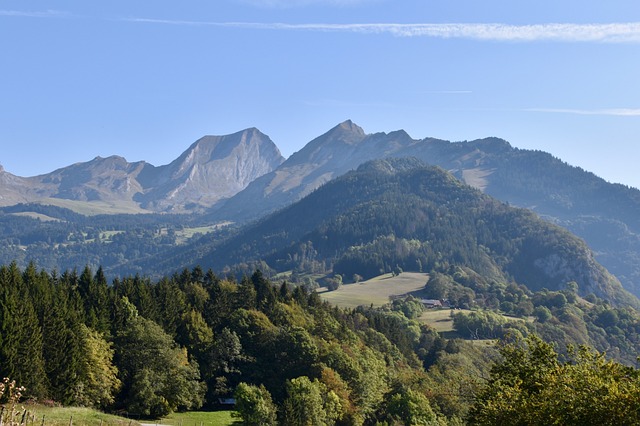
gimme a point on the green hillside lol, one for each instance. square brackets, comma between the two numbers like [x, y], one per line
[401, 213]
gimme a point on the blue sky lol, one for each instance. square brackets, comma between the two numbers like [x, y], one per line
[144, 80]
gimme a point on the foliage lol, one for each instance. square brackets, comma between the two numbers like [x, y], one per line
[309, 403]
[100, 379]
[152, 347]
[410, 408]
[254, 405]
[157, 375]
[532, 386]
[10, 395]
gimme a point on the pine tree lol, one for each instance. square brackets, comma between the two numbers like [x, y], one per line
[20, 334]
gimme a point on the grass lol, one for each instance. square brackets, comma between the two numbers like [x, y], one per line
[376, 291]
[200, 418]
[64, 416]
[183, 235]
[92, 208]
[76, 416]
[34, 215]
[439, 319]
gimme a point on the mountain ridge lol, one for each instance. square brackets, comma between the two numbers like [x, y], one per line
[211, 169]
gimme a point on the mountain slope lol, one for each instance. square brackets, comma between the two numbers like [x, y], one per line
[400, 212]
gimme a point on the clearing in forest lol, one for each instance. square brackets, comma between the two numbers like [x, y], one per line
[376, 291]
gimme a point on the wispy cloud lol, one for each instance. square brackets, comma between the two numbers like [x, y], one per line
[607, 33]
[34, 14]
[621, 112]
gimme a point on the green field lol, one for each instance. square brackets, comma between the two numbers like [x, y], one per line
[184, 234]
[65, 416]
[439, 319]
[376, 291]
[199, 418]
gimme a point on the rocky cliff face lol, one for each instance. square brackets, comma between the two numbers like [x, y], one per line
[212, 169]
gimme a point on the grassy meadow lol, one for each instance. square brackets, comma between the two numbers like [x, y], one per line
[65, 416]
[199, 418]
[38, 415]
[376, 291]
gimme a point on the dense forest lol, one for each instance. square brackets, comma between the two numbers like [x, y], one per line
[183, 342]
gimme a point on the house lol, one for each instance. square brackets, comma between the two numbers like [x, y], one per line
[431, 303]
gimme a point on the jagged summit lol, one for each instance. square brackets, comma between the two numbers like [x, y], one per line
[211, 169]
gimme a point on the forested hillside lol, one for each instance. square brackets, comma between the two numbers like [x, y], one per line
[180, 343]
[401, 213]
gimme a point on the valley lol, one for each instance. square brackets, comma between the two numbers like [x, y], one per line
[307, 275]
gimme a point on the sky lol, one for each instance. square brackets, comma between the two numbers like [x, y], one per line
[146, 79]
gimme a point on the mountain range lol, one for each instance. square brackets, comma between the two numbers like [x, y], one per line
[242, 177]
[211, 169]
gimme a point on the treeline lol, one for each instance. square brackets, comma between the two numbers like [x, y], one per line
[183, 342]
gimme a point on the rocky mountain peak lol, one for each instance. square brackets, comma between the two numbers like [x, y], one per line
[211, 169]
[347, 131]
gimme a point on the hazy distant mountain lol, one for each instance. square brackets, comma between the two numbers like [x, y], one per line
[399, 212]
[213, 168]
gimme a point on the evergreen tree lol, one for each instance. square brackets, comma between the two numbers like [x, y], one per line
[20, 334]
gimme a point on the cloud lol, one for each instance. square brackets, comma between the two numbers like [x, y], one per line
[619, 112]
[606, 33]
[34, 14]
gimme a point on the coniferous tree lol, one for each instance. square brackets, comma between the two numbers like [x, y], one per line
[63, 347]
[20, 333]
